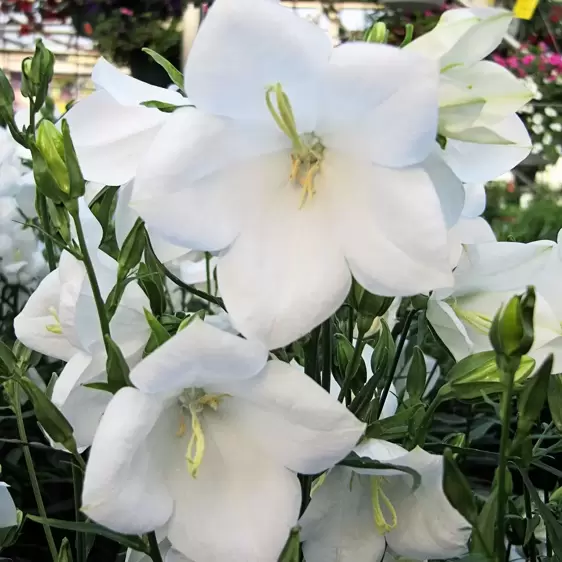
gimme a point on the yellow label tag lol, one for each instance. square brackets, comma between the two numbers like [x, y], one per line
[524, 9]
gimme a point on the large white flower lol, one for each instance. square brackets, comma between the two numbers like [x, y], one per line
[60, 320]
[207, 444]
[357, 512]
[110, 128]
[477, 99]
[303, 163]
[487, 276]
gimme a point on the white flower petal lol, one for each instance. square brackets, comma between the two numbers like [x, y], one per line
[429, 527]
[8, 513]
[110, 139]
[369, 108]
[244, 46]
[83, 407]
[293, 418]
[449, 188]
[125, 218]
[449, 328]
[242, 504]
[210, 213]
[493, 159]
[31, 324]
[390, 224]
[338, 525]
[286, 258]
[124, 486]
[197, 356]
[468, 231]
[475, 200]
[128, 90]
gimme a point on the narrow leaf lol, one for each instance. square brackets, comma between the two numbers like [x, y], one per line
[175, 75]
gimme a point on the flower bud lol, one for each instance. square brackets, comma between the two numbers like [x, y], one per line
[49, 168]
[511, 333]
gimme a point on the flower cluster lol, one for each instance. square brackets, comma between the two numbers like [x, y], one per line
[296, 181]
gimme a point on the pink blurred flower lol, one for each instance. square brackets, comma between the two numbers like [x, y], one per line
[528, 59]
[127, 12]
[512, 62]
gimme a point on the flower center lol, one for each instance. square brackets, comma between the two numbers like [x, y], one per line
[192, 402]
[56, 327]
[308, 150]
[382, 504]
[480, 322]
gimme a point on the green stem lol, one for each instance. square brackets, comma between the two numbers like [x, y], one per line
[532, 545]
[90, 271]
[208, 272]
[154, 548]
[353, 365]
[350, 324]
[548, 541]
[502, 467]
[327, 354]
[46, 226]
[32, 474]
[421, 434]
[399, 348]
[81, 552]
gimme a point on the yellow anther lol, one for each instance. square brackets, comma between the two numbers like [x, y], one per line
[55, 328]
[196, 445]
[378, 496]
[308, 190]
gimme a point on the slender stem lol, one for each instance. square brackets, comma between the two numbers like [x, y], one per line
[81, 552]
[548, 542]
[421, 433]
[311, 366]
[327, 354]
[154, 548]
[399, 348]
[350, 324]
[46, 226]
[100, 305]
[352, 366]
[532, 545]
[32, 474]
[502, 467]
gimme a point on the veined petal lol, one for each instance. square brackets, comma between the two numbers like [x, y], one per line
[464, 36]
[369, 109]
[125, 218]
[502, 92]
[124, 484]
[210, 213]
[244, 46]
[493, 159]
[197, 356]
[110, 139]
[128, 90]
[8, 513]
[338, 525]
[285, 258]
[83, 407]
[32, 323]
[390, 225]
[449, 328]
[242, 504]
[294, 419]
[429, 527]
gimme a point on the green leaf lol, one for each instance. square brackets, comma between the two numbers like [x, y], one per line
[345, 353]
[291, 550]
[160, 333]
[553, 527]
[457, 488]
[415, 380]
[116, 366]
[102, 206]
[353, 460]
[395, 426]
[6, 95]
[175, 75]
[132, 249]
[76, 179]
[384, 352]
[49, 416]
[485, 525]
[130, 541]
[163, 106]
[555, 400]
[65, 551]
[152, 284]
[8, 359]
